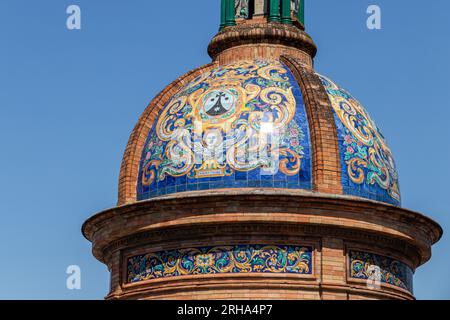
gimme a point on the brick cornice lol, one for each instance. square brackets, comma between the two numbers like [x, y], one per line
[324, 140]
[238, 232]
[262, 33]
[130, 163]
[171, 288]
[337, 216]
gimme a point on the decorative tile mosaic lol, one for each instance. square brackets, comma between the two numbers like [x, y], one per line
[217, 132]
[363, 265]
[368, 167]
[224, 259]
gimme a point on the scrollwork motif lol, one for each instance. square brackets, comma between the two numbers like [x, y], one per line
[220, 260]
[367, 157]
[223, 111]
[392, 272]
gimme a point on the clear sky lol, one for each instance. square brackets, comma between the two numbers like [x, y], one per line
[69, 100]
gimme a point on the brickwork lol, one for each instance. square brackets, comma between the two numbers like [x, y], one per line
[261, 51]
[262, 34]
[227, 217]
[326, 162]
[333, 261]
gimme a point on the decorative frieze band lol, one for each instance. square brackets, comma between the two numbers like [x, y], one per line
[254, 258]
[380, 269]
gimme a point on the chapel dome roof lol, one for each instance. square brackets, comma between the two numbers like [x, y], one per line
[252, 124]
[258, 116]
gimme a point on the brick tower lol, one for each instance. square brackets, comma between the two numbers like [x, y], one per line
[254, 177]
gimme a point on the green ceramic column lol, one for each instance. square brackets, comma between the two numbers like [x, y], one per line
[274, 11]
[223, 13]
[230, 16]
[286, 16]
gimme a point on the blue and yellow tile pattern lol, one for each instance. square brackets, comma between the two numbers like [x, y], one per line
[364, 265]
[368, 167]
[217, 133]
[255, 258]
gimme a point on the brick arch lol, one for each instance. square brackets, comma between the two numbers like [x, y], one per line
[129, 169]
[324, 140]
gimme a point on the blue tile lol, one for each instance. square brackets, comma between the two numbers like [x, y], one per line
[216, 185]
[171, 189]
[267, 177]
[192, 186]
[240, 184]
[170, 180]
[305, 185]
[293, 185]
[229, 178]
[254, 174]
[240, 175]
[280, 184]
[228, 184]
[153, 194]
[267, 184]
[254, 184]
[203, 186]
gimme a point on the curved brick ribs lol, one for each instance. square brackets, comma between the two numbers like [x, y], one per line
[130, 164]
[324, 141]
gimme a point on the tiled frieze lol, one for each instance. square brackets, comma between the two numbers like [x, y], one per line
[368, 166]
[256, 258]
[374, 267]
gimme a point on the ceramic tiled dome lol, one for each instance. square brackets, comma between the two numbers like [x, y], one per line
[210, 135]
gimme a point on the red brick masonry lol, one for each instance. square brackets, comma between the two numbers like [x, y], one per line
[331, 224]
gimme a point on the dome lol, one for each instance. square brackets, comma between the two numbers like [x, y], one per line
[246, 124]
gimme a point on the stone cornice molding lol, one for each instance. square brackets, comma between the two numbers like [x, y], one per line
[229, 210]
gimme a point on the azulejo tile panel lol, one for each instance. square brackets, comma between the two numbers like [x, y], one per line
[368, 167]
[242, 125]
[364, 265]
[255, 258]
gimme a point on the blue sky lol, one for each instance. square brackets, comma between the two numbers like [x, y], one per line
[69, 100]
